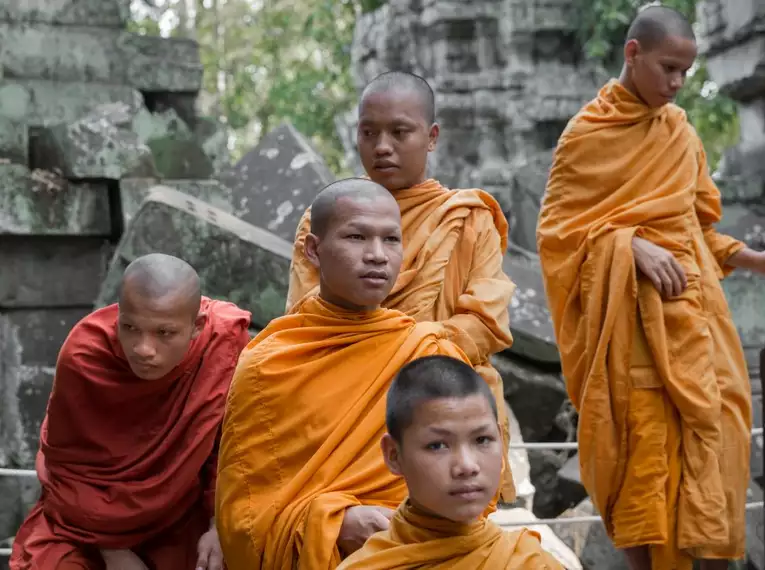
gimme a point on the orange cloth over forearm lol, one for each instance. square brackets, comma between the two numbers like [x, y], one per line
[418, 540]
[301, 436]
[122, 461]
[454, 242]
[623, 170]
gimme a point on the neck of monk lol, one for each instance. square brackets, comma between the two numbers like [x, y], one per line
[344, 305]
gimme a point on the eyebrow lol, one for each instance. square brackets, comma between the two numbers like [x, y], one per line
[443, 431]
[365, 227]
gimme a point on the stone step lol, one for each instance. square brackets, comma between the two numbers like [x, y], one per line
[36, 203]
[236, 262]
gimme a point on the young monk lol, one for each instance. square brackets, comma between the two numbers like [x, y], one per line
[127, 459]
[301, 480]
[632, 266]
[454, 241]
[444, 439]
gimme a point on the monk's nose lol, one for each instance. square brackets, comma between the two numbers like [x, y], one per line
[376, 252]
[383, 146]
[144, 350]
[465, 463]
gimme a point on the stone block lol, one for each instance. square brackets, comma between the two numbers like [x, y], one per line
[739, 71]
[106, 13]
[133, 191]
[274, 183]
[148, 125]
[14, 142]
[161, 64]
[180, 158]
[526, 191]
[96, 146]
[530, 322]
[536, 395]
[214, 139]
[39, 272]
[236, 262]
[38, 203]
[61, 53]
[42, 103]
[755, 529]
[589, 541]
[570, 483]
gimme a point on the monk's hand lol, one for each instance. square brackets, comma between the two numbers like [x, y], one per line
[122, 560]
[359, 523]
[660, 266]
[210, 554]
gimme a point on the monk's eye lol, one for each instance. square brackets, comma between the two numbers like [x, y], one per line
[366, 133]
[393, 239]
[484, 440]
[436, 446]
[356, 236]
[127, 327]
[165, 333]
[400, 132]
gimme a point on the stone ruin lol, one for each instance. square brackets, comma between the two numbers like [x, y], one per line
[104, 158]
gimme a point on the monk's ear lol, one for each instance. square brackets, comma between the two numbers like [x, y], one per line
[199, 324]
[311, 249]
[631, 50]
[391, 454]
[435, 130]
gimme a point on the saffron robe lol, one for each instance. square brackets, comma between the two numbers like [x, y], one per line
[301, 435]
[661, 385]
[419, 540]
[454, 242]
[126, 463]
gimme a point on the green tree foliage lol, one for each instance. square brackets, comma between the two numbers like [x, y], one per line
[602, 27]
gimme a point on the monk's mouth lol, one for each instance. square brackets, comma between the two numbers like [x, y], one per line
[375, 279]
[470, 494]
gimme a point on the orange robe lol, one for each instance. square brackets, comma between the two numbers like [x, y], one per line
[661, 386]
[126, 463]
[419, 540]
[454, 242]
[301, 436]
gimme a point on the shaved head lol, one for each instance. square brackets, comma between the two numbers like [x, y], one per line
[654, 23]
[324, 206]
[404, 81]
[158, 277]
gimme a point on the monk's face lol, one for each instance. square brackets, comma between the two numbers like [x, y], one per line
[394, 138]
[155, 334]
[359, 255]
[450, 456]
[657, 75]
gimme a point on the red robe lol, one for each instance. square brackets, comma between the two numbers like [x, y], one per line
[126, 463]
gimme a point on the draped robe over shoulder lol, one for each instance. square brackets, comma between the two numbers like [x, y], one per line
[301, 436]
[661, 386]
[454, 242]
[417, 540]
[126, 463]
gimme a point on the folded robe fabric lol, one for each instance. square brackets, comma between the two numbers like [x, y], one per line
[454, 243]
[416, 539]
[301, 436]
[123, 461]
[622, 169]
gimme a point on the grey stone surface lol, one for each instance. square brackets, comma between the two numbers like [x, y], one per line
[570, 483]
[77, 264]
[530, 323]
[40, 103]
[133, 191]
[107, 13]
[37, 203]
[161, 64]
[99, 145]
[527, 188]
[214, 139]
[589, 541]
[235, 261]
[14, 142]
[148, 125]
[275, 182]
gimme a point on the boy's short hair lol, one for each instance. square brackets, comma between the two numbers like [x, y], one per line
[391, 80]
[431, 378]
[655, 22]
[323, 206]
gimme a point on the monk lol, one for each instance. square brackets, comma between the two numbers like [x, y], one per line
[128, 446]
[301, 480]
[444, 439]
[454, 241]
[632, 265]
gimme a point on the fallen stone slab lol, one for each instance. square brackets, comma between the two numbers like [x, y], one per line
[161, 64]
[14, 142]
[527, 189]
[107, 13]
[41, 103]
[40, 272]
[98, 145]
[274, 183]
[236, 262]
[530, 323]
[133, 191]
[214, 139]
[40, 203]
[180, 158]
